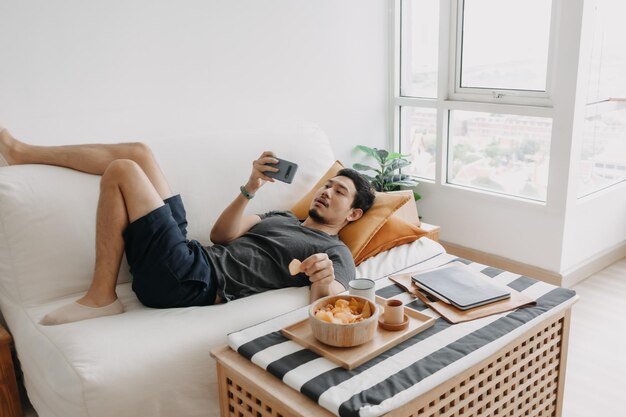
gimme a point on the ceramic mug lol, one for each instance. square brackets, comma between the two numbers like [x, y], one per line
[363, 287]
[394, 312]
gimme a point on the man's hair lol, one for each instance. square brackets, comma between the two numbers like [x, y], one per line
[365, 193]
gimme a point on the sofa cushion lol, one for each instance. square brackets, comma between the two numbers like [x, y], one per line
[394, 232]
[359, 233]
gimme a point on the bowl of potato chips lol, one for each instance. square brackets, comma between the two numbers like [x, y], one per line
[343, 320]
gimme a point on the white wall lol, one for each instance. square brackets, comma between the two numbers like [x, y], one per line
[594, 225]
[128, 69]
[522, 231]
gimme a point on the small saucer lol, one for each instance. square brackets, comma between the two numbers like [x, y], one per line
[393, 327]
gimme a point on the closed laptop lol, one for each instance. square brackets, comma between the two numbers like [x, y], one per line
[461, 286]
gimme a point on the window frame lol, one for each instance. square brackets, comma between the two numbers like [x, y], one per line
[496, 95]
[448, 100]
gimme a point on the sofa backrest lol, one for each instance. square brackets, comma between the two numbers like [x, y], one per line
[47, 214]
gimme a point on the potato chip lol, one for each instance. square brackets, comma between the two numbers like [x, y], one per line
[367, 311]
[354, 306]
[324, 316]
[294, 267]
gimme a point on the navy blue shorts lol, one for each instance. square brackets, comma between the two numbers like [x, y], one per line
[168, 269]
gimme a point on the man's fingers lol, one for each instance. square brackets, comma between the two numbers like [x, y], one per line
[315, 258]
[262, 165]
[322, 277]
[319, 270]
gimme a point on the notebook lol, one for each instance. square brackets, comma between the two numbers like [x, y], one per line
[461, 286]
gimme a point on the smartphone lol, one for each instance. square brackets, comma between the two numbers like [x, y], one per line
[286, 171]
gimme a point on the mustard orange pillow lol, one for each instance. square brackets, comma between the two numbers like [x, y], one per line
[394, 232]
[357, 234]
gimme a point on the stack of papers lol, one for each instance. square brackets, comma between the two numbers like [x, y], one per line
[461, 286]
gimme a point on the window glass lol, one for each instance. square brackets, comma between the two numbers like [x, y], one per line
[517, 34]
[419, 47]
[418, 138]
[603, 153]
[503, 153]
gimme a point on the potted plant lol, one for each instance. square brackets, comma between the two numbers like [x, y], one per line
[387, 175]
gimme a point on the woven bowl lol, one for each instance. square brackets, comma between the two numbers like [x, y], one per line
[343, 335]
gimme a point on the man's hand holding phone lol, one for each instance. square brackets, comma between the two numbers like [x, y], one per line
[286, 171]
[269, 168]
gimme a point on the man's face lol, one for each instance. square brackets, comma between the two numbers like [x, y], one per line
[332, 204]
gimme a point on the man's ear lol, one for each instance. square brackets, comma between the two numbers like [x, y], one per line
[355, 214]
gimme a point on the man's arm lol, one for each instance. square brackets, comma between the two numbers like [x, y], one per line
[320, 290]
[232, 223]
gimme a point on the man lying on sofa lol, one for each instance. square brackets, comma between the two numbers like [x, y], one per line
[138, 213]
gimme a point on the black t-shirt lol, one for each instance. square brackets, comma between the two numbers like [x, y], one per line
[258, 260]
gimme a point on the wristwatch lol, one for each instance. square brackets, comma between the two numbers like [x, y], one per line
[245, 192]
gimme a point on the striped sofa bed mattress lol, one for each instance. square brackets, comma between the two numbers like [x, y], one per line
[409, 369]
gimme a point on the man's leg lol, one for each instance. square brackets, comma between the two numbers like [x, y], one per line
[89, 158]
[126, 194]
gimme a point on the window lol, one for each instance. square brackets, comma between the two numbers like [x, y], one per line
[493, 55]
[603, 153]
[488, 104]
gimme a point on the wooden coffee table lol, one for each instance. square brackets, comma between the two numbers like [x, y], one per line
[525, 378]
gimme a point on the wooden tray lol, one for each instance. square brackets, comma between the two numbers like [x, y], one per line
[351, 357]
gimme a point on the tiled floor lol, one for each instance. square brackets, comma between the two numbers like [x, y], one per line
[596, 365]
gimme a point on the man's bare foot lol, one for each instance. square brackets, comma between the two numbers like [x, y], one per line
[9, 148]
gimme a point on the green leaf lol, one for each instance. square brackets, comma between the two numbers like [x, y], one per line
[382, 155]
[404, 183]
[363, 167]
[377, 184]
[373, 152]
[396, 155]
[396, 164]
[391, 187]
[402, 177]
[416, 196]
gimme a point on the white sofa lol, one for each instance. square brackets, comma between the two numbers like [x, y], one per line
[145, 362]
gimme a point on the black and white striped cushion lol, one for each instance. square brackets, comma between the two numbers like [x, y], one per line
[409, 369]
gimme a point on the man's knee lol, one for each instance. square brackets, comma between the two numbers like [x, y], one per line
[119, 170]
[140, 153]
